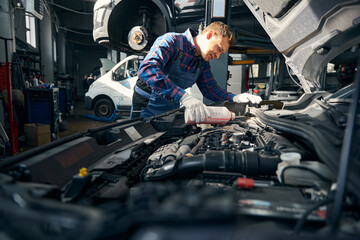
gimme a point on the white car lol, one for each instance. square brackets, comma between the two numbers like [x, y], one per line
[115, 89]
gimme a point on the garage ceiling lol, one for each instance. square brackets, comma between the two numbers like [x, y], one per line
[76, 17]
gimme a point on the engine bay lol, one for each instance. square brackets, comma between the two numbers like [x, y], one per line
[135, 178]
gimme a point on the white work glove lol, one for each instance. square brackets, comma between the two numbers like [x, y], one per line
[195, 110]
[246, 97]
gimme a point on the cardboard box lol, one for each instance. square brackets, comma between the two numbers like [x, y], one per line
[37, 134]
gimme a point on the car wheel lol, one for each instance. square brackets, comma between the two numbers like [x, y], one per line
[138, 38]
[104, 108]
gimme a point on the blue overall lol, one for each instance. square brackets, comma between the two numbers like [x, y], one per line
[158, 104]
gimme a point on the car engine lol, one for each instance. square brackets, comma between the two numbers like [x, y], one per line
[161, 178]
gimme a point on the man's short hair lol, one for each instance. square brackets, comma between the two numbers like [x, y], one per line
[221, 29]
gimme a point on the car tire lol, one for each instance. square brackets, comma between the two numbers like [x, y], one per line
[103, 108]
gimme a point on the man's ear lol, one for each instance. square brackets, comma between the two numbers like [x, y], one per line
[209, 35]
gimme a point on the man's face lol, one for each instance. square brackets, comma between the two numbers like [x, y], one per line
[216, 45]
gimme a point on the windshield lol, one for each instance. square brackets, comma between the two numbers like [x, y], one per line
[125, 71]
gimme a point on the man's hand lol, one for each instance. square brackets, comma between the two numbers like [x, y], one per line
[195, 110]
[246, 97]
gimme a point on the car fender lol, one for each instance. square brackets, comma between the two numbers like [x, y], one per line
[121, 94]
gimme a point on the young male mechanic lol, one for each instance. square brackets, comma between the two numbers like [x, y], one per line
[177, 61]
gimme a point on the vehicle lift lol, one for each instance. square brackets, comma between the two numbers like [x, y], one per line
[110, 119]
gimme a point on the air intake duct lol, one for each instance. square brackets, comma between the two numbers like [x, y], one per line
[251, 164]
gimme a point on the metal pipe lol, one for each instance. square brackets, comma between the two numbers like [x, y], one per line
[345, 156]
[13, 141]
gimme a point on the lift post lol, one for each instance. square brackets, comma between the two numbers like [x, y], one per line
[6, 84]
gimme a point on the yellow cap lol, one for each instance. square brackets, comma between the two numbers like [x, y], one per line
[261, 85]
[83, 172]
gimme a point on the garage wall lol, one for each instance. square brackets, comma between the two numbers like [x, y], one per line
[85, 59]
[6, 30]
[236, 82]
[46, 46]
[61, 51]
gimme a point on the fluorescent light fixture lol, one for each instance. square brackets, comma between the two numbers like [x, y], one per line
[218, 8]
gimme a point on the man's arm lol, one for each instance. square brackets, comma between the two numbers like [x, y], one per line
[209, 87]
[152, 67]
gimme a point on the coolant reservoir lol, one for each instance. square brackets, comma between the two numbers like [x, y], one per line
[304, 173]
[287, 159]
[218, 115]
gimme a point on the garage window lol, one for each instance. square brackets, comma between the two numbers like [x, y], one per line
[30, 30]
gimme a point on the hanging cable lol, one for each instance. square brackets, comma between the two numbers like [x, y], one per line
[70, 30]
[300, 223]
[68, 9]
[46, 7]
[288, 70]
[87, 44]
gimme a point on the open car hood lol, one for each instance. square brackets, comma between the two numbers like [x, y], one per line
[310, 33]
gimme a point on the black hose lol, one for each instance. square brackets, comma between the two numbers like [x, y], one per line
[300, 223]
[282, 177]
[197, 146]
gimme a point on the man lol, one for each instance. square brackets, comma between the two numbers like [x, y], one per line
[84, 83]
[177, 61]
[89, 81]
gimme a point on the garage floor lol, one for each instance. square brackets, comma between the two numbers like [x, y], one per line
[77, 121]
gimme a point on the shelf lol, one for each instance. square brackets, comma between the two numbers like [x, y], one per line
[30, 63]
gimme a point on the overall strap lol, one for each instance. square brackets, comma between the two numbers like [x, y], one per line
[199, 64]
[181, 48]
[142, 92]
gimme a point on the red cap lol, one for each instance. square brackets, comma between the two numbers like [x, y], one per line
[245, 182]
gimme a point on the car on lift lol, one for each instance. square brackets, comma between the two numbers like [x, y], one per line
[274, 172]
[131, 26]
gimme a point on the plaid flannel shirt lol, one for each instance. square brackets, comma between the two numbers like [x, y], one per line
[165, 51]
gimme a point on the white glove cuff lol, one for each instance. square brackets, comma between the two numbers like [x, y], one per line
[184, 98]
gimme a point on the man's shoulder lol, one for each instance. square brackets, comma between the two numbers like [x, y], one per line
[179, 39]
[170, 38]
